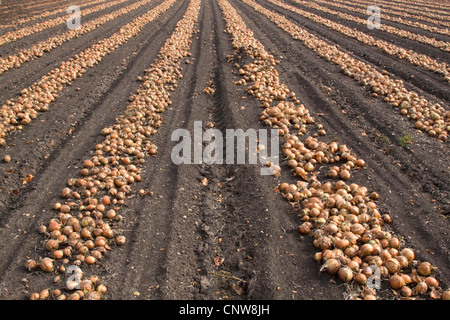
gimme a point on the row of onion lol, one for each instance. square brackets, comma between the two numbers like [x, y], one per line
[438, 5]
[427, 6]
[32, 15]
[417, 59]
[419, 11]
[342, 217]
[87, 222]
[47, 24]
[427, 115]
[39, 49]
[443, 45]
[20, 111]
[391, 15]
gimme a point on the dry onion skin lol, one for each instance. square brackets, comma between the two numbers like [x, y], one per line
[87, 223]
[342, 217]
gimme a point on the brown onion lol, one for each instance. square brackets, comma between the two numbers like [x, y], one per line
[405, 291]
[331, 266]
[392, 265]
[421, 288]
[31, 264]
[360, 279]
[120, 240]
[408, 253]
[46, 265]
[396, 282]
[345, 274]
[424, 268]
[446, 295]
[432, 282]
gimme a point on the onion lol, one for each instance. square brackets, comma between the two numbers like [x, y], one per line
[424, 268]
[72, 284]
[46, 265]
[360, 279]
[74, 296]
[392, 265]
[31, 264]
[345, 274]
[52, 245]
[101, 289]
[44, 294]
[351, 252]
[405, 291]
[408, 253]
[305, 228]
[366, 249]
[94, 295]
[396, 282]
[34, 296]
[353, 265]
[357, 229]
[342, 243]
[53, 225]
[56, 293]
[331, 266]
[432, 282]
[100, 241]
[446, 295]
[317, 257]
[86, 286]
[120, 240]
[403, 261]
[406, 278]
[344, 174]
[421, 288]
[394, 243]
[435, 294]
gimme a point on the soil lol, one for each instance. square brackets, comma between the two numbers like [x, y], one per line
[212, 232]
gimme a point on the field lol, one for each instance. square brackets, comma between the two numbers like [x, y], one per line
[93, 204]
